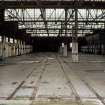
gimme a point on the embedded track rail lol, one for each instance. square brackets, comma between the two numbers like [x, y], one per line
[77, 97]
[86, 83]
[32, 97]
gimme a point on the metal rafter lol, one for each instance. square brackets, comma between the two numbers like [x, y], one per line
[89, 21]
[54, 4]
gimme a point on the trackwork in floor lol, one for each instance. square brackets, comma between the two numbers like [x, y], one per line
[50, 79]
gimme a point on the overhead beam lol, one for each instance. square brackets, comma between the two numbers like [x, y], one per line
[59, 28]
[53, 4]
[82, 21]
[55, 33]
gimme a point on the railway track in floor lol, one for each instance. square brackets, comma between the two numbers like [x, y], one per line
[35, 88]
[39, 80]
[22, 82]
[87, 84]
[77, 97]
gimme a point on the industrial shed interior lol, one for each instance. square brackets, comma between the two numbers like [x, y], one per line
[52, 52]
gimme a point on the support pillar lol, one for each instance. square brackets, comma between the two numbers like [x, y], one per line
[0, 47]
[65, 40]
[75, 52]
[6, 47]
[16, 48]
[65, 50]
[60, 49]
[3, 47]
[3, 39]
[9, 49]
[23, 47]
[30, 49]
[26, 49]
[75, 39]
[19, 48]
[13, 48]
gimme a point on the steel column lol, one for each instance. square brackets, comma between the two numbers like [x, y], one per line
[75, 39]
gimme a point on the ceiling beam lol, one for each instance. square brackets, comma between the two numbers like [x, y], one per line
[53, 4]
[59, 28]
[83, 21]
[56, 33]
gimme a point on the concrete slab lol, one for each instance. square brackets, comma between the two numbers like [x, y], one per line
[23, 93]
[53, 79]
[53, 83]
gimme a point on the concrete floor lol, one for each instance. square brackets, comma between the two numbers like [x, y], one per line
[50, 79]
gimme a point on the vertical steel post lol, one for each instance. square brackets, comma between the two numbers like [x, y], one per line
[65, 40]
[3, 36]
[75, 39]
